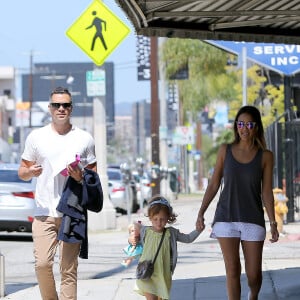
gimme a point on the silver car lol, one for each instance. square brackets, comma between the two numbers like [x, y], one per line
[17, 203]
[122, 196]
[144, 188]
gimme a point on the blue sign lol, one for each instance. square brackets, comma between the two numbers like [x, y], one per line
[281, 58]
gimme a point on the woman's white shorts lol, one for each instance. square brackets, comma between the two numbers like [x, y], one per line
[244, 231]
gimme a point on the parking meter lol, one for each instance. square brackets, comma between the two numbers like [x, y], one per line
[140, 163]
[126, 174]
[155, 171]
[126, 177]
[163, 173]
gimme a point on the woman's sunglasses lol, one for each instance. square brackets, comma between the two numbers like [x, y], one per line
[242, 124]
[57, 105]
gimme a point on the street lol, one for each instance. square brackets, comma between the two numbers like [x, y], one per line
[105, 249]
[199, 260]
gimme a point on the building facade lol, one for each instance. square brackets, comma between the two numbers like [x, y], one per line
[141, 124]
[44, 77]
[7, 108]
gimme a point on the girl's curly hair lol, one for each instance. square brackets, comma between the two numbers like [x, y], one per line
[159, 203]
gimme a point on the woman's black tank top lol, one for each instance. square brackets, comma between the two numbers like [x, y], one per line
[240, 199]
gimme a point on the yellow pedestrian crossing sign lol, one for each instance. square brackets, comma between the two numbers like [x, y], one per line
[98, 31]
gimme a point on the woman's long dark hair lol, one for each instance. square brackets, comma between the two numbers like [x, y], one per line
[259, 139]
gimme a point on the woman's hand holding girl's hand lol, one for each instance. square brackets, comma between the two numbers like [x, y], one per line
[200, 223]
[274, 233]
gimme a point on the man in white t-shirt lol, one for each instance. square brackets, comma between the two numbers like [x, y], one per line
[49, 150]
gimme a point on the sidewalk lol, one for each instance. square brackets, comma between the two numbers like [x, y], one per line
[200, 270]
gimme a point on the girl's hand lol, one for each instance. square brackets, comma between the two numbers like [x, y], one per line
[133, 240]
[200, 223]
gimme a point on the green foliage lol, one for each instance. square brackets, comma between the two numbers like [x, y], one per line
[208, 160]
[208, 76]
[225, 137]
[276, 99]
[269, 99]
[199, 56]
[210, 150]
[212, 80]
[254, 84]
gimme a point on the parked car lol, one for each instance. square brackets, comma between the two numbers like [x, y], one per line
[144, 187]
[119, 191]
[17, 203]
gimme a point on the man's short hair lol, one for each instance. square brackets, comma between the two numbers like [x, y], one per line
[60, 90]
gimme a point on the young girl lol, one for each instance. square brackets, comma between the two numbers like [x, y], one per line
[133, 251]
[160, 213]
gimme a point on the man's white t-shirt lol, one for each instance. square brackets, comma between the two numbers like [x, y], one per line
[54, 152]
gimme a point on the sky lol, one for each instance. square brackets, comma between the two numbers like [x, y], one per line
[40, 27]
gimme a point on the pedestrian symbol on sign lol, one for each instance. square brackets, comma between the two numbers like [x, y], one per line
[98, 34]
[90, 28]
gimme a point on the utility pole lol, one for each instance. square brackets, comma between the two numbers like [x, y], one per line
[155, 114]
[107, 218]
[244, 62]
[30, 87]
[199, 159]
[163, 132]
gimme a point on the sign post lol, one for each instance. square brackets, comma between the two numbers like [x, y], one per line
[98, 32]
[183, 135]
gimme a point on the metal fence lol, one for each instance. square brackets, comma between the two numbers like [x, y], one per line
[284, 140]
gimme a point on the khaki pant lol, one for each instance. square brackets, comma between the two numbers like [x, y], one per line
[44, 232]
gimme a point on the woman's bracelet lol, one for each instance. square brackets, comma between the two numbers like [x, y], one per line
[273, 223]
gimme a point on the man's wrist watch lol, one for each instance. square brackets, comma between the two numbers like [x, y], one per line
[273, 223]
[80, 181]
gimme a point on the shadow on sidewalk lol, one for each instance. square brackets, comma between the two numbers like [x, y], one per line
[277, 285]
[11, 288]
[108, 273]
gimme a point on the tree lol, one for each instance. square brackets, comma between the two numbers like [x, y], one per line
[275, 95]
[269, 99]
[208, 76]
[212, 79]
[255, 84]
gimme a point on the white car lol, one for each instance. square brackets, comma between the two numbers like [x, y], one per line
[144, 188]
[17, 203]
[122, 196]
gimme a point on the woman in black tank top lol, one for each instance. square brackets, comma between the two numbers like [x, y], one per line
[246, 167]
